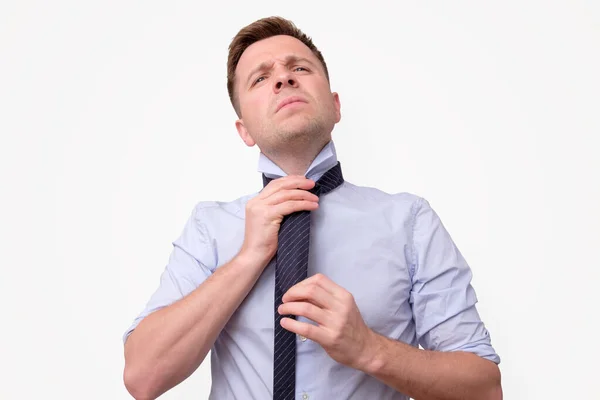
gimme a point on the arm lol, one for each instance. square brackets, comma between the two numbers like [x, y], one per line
[429, 375]
[193, 304]
[169, 344]
[447, 323]
[421, 374]
[453, 364]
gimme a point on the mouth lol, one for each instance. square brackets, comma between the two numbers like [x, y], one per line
[289, 101]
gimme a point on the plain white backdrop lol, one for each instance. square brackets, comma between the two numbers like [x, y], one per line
[115, 121]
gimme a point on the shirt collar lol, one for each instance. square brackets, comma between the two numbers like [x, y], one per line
[325, 160]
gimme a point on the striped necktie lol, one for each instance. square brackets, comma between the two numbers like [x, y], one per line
[290, 268]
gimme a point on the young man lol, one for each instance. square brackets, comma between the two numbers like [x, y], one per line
[312, 288]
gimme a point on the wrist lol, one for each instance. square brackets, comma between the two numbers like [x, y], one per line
[252, 260]
[372, 360]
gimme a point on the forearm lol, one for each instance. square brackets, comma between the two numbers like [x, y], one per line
[432, 375]
[169, 344]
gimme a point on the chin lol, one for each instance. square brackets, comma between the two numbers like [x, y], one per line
[300, 125]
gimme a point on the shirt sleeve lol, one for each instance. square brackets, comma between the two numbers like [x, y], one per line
[442, 298]
[186, 269]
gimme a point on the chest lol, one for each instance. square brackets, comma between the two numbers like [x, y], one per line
[363, 255]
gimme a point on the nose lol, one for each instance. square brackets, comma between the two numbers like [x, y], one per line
[285, 79]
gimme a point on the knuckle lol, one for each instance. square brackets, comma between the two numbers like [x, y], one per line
[265, 213]
[349, 297]
[253, 205]
[345, 317]
[305, 308]
[309, 330]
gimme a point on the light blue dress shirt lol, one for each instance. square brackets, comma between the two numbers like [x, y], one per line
[390, 251]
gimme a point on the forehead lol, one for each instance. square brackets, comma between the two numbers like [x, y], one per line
[273, 48]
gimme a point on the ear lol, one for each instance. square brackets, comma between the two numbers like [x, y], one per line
[239, 125]
[338, 106]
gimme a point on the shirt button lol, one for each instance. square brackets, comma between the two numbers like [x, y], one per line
[305, 396]
[304, 340]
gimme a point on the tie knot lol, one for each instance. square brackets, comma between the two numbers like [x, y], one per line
[329, 181]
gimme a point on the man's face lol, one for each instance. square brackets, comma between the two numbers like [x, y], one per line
[284, 97]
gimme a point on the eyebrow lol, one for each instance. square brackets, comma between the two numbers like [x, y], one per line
[289, 59]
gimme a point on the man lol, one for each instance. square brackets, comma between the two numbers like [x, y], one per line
[312, 288]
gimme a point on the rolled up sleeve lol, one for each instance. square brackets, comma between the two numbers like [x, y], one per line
[190, 263]
[443, 300]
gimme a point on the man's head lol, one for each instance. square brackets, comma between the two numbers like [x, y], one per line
[278, 84]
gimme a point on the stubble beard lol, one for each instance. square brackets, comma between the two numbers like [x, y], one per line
[310, 135]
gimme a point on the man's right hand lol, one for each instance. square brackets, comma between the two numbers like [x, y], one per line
[194, 322]
[264, 213]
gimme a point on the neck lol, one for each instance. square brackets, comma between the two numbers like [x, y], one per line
[294, 161]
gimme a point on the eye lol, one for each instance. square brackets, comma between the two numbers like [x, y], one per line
[259, 79]
[300, 68]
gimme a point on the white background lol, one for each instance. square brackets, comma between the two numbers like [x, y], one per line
[115, 121]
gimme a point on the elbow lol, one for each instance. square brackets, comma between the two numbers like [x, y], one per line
[137, 379]
[136, 385]
[489, 391]
[487, 383]
[494, 391]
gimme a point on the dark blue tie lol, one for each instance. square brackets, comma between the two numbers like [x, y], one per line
[291, 268]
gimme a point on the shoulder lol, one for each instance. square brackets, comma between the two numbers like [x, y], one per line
[208, 211]
[371, 196]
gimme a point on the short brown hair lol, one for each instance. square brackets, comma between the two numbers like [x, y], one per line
[263, 29]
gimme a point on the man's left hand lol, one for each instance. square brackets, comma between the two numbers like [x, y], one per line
[340, 328]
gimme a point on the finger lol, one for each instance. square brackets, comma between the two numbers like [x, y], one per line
[293, 206]
[310, 331]
[324, 282]
[285, 195]
[286, 182]
[304, 309]
[311, 293]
